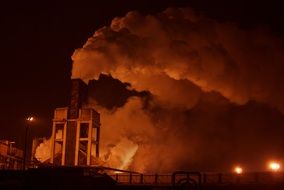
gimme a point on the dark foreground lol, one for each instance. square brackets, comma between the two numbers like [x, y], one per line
[64, 178]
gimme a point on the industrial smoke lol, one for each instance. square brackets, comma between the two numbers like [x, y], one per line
[216, 95]
[214, 91]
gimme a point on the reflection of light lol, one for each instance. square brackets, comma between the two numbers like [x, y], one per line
[274, 166]
[238, 170]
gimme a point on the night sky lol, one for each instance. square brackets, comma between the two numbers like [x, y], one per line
[39, 37]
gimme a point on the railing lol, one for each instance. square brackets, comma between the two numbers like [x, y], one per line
[198, 178]
[245, 178]
[147, 179]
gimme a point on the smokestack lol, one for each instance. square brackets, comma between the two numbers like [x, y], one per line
[78, 97]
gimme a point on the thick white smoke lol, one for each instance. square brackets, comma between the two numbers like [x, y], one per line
[189, 63]
[177, 48]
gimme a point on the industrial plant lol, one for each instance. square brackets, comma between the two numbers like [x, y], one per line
[75, 160]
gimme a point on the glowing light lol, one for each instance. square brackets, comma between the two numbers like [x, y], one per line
[117, 172]
[30, 119]
[238, 170]
[274, 166]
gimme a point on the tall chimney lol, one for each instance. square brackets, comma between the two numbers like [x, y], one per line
[78, 96]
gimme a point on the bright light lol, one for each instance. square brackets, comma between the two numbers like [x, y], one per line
[238, 170]
[274, 166]
[30, 119]
[117, 172]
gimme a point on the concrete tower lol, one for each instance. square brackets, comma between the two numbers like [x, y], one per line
[75, 130]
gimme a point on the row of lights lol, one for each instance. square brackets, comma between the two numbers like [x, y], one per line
[273, 166]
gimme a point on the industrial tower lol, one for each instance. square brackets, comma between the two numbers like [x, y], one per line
[75, 131]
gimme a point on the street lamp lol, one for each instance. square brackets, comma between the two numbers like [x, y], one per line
[238, 170]
[29, 120]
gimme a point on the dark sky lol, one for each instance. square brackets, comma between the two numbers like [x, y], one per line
[39, 37]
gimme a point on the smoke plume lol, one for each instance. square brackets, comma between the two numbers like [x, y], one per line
[214, 91]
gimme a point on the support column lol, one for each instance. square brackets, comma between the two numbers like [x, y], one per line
[77, 143]
[98, 142]
[52, 143]
[89, 148]
[71, 134]
[64, 144]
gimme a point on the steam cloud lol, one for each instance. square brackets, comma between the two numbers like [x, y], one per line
[216, 91]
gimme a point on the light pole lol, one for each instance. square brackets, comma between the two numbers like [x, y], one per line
[29, 120]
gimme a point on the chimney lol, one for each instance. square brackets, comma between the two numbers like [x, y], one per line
[78, 97]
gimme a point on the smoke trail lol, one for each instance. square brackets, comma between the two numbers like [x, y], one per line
[204, 78]
[43, 150]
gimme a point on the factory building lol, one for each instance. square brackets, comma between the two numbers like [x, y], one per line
[75, 130]
[10, 156]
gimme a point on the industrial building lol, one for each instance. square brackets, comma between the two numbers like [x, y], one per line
[10, 156]
[75, 131]
[74, 156]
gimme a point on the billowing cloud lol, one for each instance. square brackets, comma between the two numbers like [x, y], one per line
[178, 46]
[215, 89]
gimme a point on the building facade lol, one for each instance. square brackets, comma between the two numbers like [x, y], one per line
[10, 156]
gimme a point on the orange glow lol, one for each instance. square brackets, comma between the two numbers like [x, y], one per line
[117, 172]
[274, 166]
[30, 119]
[238, 170]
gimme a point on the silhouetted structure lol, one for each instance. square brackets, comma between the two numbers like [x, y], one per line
[75, 131]
[10, 156]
